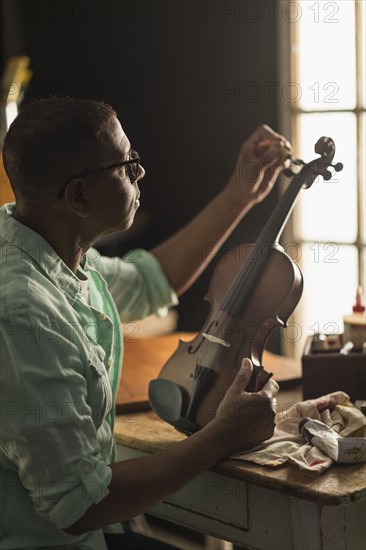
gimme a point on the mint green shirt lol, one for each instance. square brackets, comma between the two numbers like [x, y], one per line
[59, 374]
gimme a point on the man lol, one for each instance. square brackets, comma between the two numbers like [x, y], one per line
[75, 178]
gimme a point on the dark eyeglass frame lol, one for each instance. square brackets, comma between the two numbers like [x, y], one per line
[132, 174]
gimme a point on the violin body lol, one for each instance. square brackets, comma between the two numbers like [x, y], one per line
[272, 301]
[254, 289]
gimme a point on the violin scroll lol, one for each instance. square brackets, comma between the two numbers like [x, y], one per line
[325, 147]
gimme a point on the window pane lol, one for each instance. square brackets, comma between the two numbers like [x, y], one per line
[326, 55]
[362, 39]
[328, 210]
[330, 283]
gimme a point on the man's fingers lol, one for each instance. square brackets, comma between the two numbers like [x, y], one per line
[270, 389]
[265, 133]
[244, 374]
[269, 178]
[275, 153]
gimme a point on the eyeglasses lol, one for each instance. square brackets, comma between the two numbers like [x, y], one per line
[133, 170]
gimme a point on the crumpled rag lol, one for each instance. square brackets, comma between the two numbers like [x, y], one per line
[288, 445]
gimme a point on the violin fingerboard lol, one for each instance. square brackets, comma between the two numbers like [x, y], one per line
[258, 379]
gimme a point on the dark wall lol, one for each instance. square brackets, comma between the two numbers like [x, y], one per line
[189, 79]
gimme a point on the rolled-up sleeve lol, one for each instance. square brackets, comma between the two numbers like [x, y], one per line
[47, 430]
[137, 283]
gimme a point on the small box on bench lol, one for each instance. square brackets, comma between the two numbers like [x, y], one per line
[326, 370]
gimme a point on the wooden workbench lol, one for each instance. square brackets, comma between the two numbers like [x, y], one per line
[264, 508]
[267, 508]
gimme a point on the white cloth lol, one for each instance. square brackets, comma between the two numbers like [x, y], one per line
[287, 444]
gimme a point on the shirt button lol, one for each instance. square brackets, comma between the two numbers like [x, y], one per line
[86, 467]
[103, 316]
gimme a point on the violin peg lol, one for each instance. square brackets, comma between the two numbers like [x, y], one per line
[327, 175]
[338, 167]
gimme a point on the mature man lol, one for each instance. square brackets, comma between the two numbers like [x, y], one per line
[75, 178]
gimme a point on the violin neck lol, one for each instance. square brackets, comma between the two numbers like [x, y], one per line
[247, 277]
[272, 231]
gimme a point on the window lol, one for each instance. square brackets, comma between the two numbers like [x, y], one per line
[322, 67]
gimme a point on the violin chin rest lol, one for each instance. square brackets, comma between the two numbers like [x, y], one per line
[166, 400]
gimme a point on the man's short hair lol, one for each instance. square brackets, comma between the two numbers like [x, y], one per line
[52, 139]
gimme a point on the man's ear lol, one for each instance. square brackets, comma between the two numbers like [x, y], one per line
[77, 197]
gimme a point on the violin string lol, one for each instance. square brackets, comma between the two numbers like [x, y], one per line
[270, 233]
[237, 295]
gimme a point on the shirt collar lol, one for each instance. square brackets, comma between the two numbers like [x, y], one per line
[34, 246]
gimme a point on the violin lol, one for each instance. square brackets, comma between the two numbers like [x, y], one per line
[253, 290]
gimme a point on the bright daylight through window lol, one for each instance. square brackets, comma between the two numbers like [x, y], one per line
[323, 76]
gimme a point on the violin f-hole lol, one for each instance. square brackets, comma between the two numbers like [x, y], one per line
[192, 349]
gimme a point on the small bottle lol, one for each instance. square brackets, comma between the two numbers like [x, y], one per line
[355, 324]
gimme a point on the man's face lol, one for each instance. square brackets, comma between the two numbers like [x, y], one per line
[114, 195]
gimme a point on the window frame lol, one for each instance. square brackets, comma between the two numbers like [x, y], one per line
[289, 120]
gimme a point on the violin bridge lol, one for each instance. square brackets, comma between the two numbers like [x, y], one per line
[216, 340]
